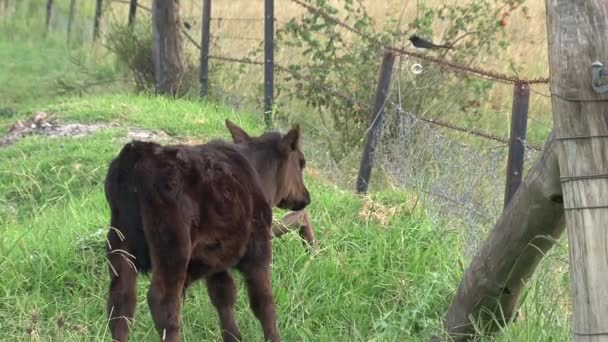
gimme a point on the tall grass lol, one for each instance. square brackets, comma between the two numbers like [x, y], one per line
[383, 271]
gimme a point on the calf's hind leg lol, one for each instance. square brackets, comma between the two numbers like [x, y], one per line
[122, 297]
[222, 292]
[256, 271]
[170, 252]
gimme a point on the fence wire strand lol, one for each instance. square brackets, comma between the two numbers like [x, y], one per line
[335, 92]
[236, 19]
[469, 70]
[244, 38]
[460, 183]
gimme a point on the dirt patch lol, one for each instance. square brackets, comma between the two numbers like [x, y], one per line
[42, 124]
[382, 213]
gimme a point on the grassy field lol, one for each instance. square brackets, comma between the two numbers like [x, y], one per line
[379, 274]
[383, 270]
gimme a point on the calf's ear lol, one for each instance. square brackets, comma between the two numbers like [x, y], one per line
[291, 140]
[238, 134]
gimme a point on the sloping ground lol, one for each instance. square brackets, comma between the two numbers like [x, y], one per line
[381, 272]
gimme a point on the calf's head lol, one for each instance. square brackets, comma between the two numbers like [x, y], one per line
[279, 161]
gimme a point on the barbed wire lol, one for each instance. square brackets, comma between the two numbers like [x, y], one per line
[437, 122]
[473, 131]
[236, 60]
[236, 19]
[295, 74]
[475, 71]
[253, 39]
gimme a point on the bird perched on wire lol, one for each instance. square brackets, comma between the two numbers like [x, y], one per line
[425, 44]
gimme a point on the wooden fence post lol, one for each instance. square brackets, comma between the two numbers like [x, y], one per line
[517, 141]
[491, 285]
[577, 37]
[71, 16]
[268, 61]
[168, 48]
[206, 31]
[132, 12]
[97, 19]
[49, 14]
[375, 122]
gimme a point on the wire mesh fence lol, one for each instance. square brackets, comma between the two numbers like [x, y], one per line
[458, 173]
[456, 168]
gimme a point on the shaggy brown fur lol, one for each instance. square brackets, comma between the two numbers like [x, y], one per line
[186, 213]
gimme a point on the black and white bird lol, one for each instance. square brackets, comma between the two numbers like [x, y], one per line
[420, 43]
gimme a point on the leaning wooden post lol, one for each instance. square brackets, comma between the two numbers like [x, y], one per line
[71, 16]
[577, 38]
[268, 61]
[205, 35]
[49, 14]
[97, 19]
[132, 12]
[517, 141]
[375, 122]
[488, 293]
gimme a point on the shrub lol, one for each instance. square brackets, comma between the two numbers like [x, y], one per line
[133, 47]
[336, 61]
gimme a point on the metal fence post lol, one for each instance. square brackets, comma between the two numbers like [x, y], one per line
[268, 61]
[49, 14]
[97, 19]
[517, 140]
[71, 16]
[375, 122]
[204, 70]
[132, 12]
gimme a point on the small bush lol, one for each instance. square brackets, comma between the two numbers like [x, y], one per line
[133, 47]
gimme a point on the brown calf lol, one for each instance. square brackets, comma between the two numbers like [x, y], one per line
[296, 220]
[186, 213]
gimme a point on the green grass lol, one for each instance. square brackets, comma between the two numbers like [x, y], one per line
[25, 77]
[368, 280]
[365, 281]
[54, 267]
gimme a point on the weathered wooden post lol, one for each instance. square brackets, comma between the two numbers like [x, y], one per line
[206, 31]
[517, 140]
[534, 218]
[132, 12]
[97, 19]
[268, 61]
[577, 38]
[49, 14]
[376, 120]
[71, 16]
[167, 47]
[573, 163]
